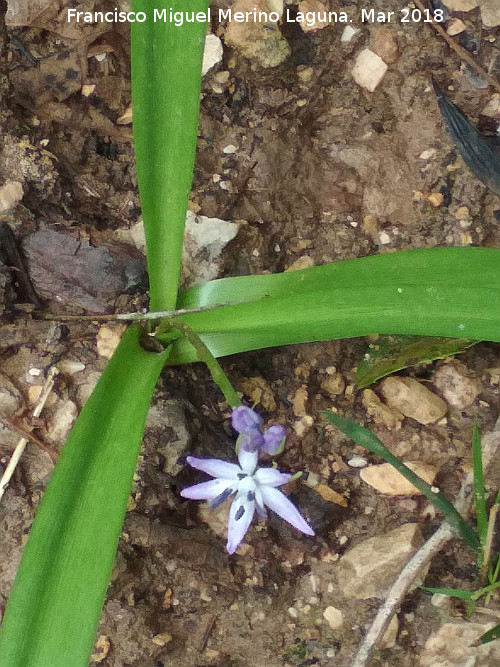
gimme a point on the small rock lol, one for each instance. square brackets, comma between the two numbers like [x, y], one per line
[212, 53]
[108, 337]
[62, 421]
[70, 367]
[387, 480]
[162, 638]
[204, 240]
[369, 70]
[436, 199]
[452, 646]
[369, 569]
[318, 9]
[333, 617]
[333, 385]
[330, 495]
[357, 462]
[413, 399]
[11, 194]
[383, 42]
[492, 109]
[299, 401]
[456, 27]
[490, 13]
[304, 262]
[347, 34]
[262, 43]
[381, 413]
[305, 74]
[456, 386]
[461, 5]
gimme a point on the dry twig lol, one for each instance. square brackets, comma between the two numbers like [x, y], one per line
[21, 445]
[491, 451]
[461, 52]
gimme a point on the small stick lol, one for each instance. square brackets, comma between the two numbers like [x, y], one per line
[491, 449]
[10, 424]
[464, 55]
[21, 445]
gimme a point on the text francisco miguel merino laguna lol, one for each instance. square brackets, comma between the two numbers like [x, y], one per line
[179, 18]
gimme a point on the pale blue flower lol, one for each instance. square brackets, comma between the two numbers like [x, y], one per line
[247, 422]
[255, 489]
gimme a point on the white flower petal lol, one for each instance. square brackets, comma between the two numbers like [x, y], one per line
[206, 490]
[215, 467]
[284, 508]
[271, 477]
[240, 518]
[248, 460]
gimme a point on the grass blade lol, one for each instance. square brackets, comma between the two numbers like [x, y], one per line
[479, 491]
[367, 439]
[166, 75]
[448, 292]
[56, 601]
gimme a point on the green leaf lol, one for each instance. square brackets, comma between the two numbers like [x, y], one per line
[365, 438]
[166, 75]
[393, 353]
[488, 636]
[448, 292]
[451, 592]
[54, 606]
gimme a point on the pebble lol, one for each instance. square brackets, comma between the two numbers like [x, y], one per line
[390, 635]
[461, 5]
[62, 421]
[490, 13]
[380, 412]
[347, 34]
[230, 149]
[456, 27]
[383, 42]
[318, 8]
[436, 199]
[333, 385]
[357, 462]
[387, 480]
[369, 70]
[299, 402]
[212, 53]
[108, 337]
[456, 386]
[11, 194]
[413, 399]
[259, 392]
[304, 262]
[333, 617]
[369, 569]
[452, 646]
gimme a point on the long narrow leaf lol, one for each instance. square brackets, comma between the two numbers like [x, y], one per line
[479, 491]
[362, 436]
[166, 75]
[54, 606]
[449, 292]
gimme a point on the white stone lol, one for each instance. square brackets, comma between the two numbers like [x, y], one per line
[108, 337]
[459, 389]
[11, 194]
[230, 149]
[413, 399]
[212, 53]
[61, 422]
[348, 34]
[357, 462]
[333, 617]
[369, 70]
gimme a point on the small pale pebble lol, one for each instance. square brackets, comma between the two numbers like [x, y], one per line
[212, 53]
[492, 109]
[357, 462]
[162, 638]
[369, 70]
[385, 479]
[35, 372]
[305, 74]
[293, 612]
[222, 77]
[108, 337]
[347, 34]
[384, 238]
[333, 384]
[456, 385]
[383, 42]
[388, 639]
[413, 399]
[333, 617]
[462, 213]
[313, 9]
[312, 480]
[380, 412]
[428, 154]
[229, 149]
[436, 199]
[69, 367]
[461, 5]
[11, 194]
[456, 27]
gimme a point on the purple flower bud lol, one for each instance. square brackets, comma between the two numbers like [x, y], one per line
[250, 441]
[245, 419]
[274, 440]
